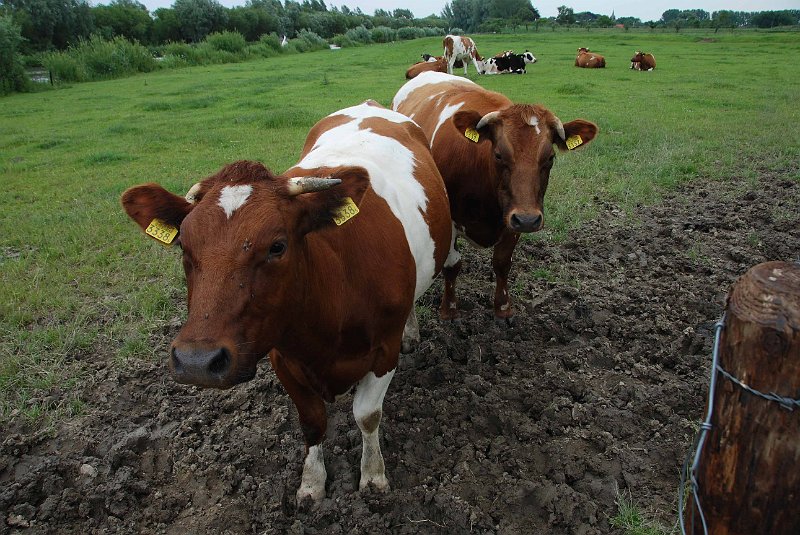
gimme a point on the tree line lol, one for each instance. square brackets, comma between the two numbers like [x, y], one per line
[55, 24]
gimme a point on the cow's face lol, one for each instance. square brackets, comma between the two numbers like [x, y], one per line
[637, 57]
[243, 244]
[522, 139]
[583, 50]
[527, 57]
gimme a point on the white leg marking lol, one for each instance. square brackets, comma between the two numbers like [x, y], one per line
[312, 484]
[367, 409]
[411, 333]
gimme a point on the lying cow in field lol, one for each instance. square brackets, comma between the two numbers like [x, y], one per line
[437, 65]
[643, 61]
[461, 48]
[495, 158]
[508, 63]
[318, 267]
[589, 60]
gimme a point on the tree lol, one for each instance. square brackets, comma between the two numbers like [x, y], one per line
[12, 73]
[403, 14]
[126, 18]
[566, 16]
[47, 24]
[198, 18]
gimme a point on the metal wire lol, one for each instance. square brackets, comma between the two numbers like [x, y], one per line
[705, 427]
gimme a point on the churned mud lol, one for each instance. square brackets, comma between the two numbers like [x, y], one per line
[595, 391]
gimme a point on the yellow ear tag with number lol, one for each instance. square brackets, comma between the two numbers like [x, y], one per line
[574, 141]
[161, 231]
[472, 135]
[347, 211]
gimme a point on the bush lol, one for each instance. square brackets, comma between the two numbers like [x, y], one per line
[359, 34]
[409, 32]
[227, 41]
[383, 34]
[456, 31]
[97, 59]
[308, 41]
[344, 41]
[272, 41]
[12, 72]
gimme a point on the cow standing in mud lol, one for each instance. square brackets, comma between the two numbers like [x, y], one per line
[318, 267]
[495, 158]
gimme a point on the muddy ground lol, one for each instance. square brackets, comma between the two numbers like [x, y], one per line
[596, 390]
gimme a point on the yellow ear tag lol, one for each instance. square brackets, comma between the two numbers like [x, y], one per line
[347, 211]
[574, 141]
[161, 231]
[472, 135]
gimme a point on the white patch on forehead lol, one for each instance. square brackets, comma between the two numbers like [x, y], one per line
[426, 78]
[233, 197]
[534, 122]
[390, 165]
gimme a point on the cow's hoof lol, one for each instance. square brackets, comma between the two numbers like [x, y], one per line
[505, 322]
[309, 497]
[379, 484]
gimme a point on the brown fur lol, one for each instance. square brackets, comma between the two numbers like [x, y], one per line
[589, 60]
[643, 61]
[424, 66]
[486, 194]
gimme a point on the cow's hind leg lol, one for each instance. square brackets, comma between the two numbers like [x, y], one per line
[410, 333]
[501, 263]
[368, 409]
[448, 310]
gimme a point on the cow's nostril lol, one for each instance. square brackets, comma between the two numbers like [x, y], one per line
[525, 223]
[220, 362]
[177, 365]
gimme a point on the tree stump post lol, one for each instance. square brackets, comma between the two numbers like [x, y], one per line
[749, 469]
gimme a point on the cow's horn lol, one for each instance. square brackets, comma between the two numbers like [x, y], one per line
[307, 184]
[560, 129]
[488, 118]
[191, 195]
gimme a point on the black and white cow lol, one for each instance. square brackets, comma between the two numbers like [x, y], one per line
[508, 63]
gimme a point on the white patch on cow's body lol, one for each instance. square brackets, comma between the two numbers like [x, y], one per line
[233, 197]
[464, 49]
[367, 409]
[425, 78]
[390, 165]
[365, 111]
[312, 483]
[534, 122]
[447, 112]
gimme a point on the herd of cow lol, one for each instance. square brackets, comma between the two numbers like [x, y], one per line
[459, 51]
[319, 267]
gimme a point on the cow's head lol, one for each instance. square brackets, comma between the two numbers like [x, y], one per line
[583, 50]
[490, 66]
[242, 233]
[527, 57]
[522, 139]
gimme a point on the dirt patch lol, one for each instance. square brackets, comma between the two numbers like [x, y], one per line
[529, 429]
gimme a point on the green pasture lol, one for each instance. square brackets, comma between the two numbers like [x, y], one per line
[81, 286]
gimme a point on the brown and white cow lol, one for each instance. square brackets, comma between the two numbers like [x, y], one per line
[643, 61]
[461, 48]
[437, 64]
[495, 158]
[589, 60]
[319, 273]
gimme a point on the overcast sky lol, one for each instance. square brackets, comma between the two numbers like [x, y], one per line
[645, 10]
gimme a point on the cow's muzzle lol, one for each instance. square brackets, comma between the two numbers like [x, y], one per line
[525, 222]
[205, 367]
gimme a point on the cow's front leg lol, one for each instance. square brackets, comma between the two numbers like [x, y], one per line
[313, 423]
[411, 336]
[501, 263]
[448, 310]
[368, 409]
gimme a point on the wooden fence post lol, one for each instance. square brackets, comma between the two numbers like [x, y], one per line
[749, 470]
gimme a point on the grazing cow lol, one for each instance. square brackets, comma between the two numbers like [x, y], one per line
[319, 273]
[508, 63]
[495, 158]
[438, 65]
[589, 60]
[643, 61]
[461, 48]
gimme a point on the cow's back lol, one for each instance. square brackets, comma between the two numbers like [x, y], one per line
[403, 227]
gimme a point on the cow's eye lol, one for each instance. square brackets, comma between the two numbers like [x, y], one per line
[277, 249]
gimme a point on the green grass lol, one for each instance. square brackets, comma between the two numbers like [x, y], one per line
[81, 286]
[632, 521]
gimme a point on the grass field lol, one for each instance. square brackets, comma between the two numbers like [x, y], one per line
[80, 285]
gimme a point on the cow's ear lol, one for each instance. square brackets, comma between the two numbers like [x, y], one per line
[150, 202]
[577, 133]
[471, 125]
[334, 205]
